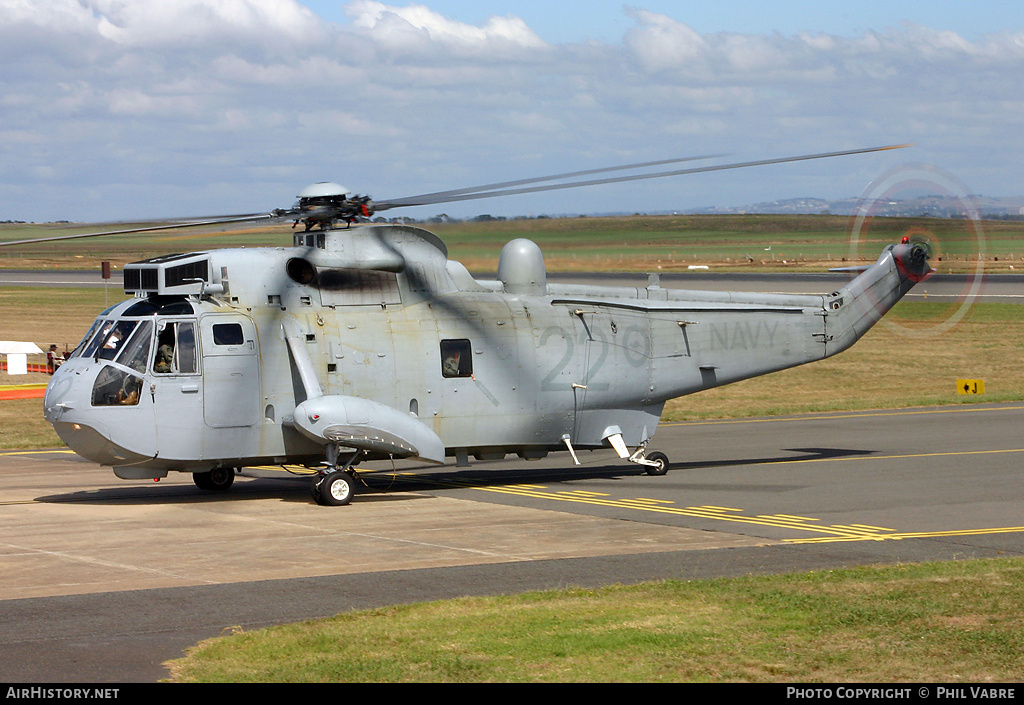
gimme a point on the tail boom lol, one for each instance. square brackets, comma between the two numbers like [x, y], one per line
[855, 308]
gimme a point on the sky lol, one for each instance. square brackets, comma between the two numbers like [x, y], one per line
[117, 109]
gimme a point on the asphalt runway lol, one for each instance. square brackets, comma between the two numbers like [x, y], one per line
[105, 580]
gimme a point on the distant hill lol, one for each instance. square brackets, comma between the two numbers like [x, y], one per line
[935, 206]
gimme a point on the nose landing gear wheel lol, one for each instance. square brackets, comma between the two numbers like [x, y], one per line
[335, 489]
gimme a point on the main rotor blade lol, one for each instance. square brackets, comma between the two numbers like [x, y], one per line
[253, 217]
[417, 200]
[384, 205]
[477, 192]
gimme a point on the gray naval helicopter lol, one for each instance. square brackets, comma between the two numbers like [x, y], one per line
[367, 343]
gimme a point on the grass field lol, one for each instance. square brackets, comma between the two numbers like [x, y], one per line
[628, 243]
[743, 242]
[957, 622]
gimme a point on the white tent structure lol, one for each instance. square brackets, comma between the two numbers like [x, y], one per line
[17, 353]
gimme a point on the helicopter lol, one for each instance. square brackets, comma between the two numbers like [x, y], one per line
[366, 342]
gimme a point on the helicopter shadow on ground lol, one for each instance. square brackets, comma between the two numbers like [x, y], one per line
[810, 454]
[372, 485]
[493, 474]
[389, 485]
[285, 489]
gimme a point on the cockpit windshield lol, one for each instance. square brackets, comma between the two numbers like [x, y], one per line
[94, 337]
[116, 337]
[126, 343]
[129, 344]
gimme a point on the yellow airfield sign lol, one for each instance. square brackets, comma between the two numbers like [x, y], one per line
[970, 386]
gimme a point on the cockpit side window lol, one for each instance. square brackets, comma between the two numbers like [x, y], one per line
[176, 348]
[136, 353]
[187, 348]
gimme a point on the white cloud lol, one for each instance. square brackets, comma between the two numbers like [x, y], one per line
[416, 28]
[254, 98]
[145, 22]
[60, 16]
[660, 43]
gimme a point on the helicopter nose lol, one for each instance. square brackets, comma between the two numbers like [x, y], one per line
[59, 395]
[89, 417]
[64, 405]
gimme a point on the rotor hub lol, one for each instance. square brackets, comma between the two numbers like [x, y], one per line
[324, 189]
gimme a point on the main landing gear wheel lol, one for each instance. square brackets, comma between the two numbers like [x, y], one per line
[660, 466]
[334, 489]
[216, 480]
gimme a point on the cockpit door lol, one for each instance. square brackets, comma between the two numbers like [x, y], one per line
[231, 372]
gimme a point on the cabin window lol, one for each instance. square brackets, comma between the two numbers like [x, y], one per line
[176, 348]
[456, 358]
[228, 334]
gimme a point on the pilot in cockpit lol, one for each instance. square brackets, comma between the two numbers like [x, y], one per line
[165, 352]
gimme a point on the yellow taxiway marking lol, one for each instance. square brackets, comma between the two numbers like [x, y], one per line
[780, 521]
[897, 536]
[825, 533]
[44, 451]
